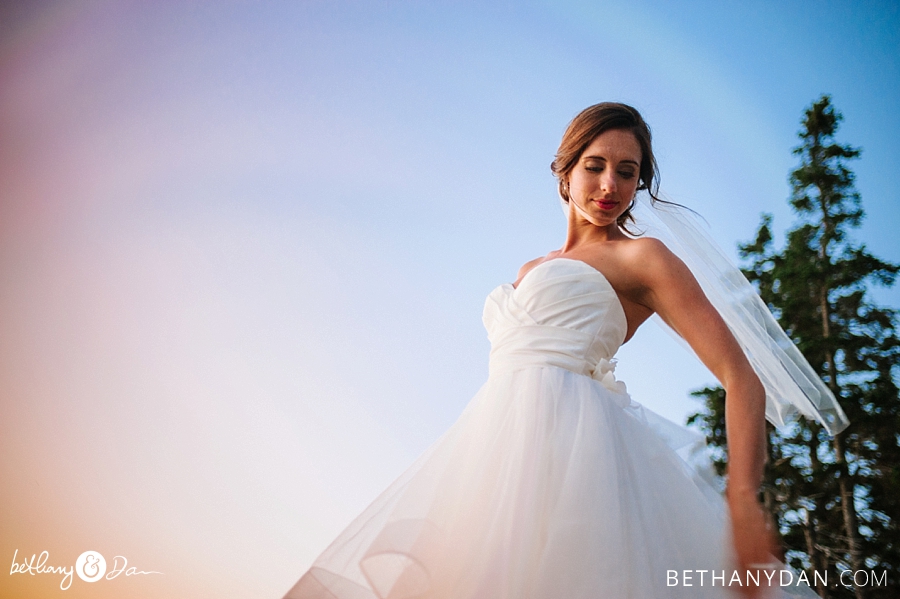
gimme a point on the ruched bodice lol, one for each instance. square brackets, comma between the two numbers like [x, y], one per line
[564, 313]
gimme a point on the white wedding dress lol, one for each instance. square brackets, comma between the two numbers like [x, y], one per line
[553, 483]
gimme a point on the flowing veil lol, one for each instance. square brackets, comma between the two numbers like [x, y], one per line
[792, 386]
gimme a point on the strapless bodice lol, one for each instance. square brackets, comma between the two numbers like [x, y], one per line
[564, 313]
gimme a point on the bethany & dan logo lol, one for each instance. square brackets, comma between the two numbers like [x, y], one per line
[90, 566]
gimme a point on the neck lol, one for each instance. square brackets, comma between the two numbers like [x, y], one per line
[581, 232]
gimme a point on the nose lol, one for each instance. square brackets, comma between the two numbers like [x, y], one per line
[608, 181]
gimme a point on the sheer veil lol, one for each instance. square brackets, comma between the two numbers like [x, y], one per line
[792, 386]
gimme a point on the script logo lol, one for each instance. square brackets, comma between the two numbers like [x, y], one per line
[90, 566]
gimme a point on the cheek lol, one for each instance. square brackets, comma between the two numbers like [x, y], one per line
[581, 182]
[630, 185]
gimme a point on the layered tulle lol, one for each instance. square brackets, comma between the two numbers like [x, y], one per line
[550, 485]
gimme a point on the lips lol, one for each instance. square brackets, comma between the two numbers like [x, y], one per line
[606, 205]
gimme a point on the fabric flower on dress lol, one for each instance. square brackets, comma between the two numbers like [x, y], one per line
[603, 372]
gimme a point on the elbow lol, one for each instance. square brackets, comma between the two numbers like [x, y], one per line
[747, 384]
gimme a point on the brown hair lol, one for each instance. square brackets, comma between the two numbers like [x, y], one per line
[584, 129]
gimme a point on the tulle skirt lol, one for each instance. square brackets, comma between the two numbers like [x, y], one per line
[549, 486]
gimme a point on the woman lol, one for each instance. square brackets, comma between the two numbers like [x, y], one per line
[554, 483]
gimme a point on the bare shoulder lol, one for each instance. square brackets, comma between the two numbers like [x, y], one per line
[528, 266]
[649, 252]
[653, 266]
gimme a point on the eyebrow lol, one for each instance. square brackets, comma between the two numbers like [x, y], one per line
[626, 161]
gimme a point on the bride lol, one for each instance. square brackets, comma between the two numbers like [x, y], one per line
[554, 483]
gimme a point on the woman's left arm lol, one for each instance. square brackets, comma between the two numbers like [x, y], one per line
[669, 289]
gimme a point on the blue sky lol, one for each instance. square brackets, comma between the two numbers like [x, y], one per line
[260, 235]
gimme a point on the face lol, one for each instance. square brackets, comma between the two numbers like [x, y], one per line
[605, 178]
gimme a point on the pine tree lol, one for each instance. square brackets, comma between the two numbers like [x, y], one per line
[836, 500]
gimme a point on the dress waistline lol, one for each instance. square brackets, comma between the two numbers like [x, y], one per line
[603, 372]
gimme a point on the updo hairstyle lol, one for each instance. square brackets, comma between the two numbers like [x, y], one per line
[585, 128]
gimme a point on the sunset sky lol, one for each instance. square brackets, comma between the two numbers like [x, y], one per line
[244, 247]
